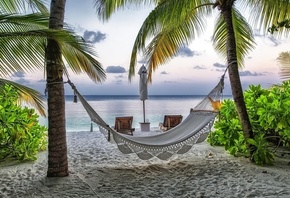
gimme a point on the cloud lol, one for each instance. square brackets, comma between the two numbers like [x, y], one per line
[119, 76]
[19, 77]
[42, 80]
[115, 69]
[187, 52]
[119, 82]
[22, 81]
[183, 52]
[164, 72]
[170, 81]
[198, 67]
[218, 65]
[93, 37]
[248, 73]
[18, 74]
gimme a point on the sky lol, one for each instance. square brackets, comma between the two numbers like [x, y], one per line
[195, 71]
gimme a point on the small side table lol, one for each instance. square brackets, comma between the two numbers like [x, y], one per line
[145, 126]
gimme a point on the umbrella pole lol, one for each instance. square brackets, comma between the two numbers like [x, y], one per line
[144, 110]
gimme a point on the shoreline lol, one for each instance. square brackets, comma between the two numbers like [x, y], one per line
[99, 169]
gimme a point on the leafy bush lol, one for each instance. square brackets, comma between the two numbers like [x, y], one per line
[269, 112]
[21, 136]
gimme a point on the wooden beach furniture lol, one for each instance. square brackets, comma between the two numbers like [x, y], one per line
[124, 125]
[170, 121]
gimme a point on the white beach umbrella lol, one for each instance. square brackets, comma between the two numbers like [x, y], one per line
[143, 86]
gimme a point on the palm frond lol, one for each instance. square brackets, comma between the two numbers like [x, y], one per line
[172, 24]
[81, 57]
[220, 37]
[105, 8]
[20, 6]
[266, 13]
[243, 36]
[15, 57]
[24, 50]
[16, 22]
[284, 63]
[22, 46]
[23, 40]
[27, 95]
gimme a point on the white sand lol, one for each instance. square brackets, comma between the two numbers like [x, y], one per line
[99, 169]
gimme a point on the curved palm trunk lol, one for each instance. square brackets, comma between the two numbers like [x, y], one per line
[57, 147]
[235, 81]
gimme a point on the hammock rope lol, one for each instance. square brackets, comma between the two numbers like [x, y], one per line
[178, 140]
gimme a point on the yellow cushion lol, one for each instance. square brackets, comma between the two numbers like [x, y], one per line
[216, 105]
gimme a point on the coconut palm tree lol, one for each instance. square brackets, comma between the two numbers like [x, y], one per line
[81, 58]
[37, 41]
[173, 24]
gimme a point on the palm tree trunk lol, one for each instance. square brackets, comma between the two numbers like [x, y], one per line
[234, 76]
[57, 146]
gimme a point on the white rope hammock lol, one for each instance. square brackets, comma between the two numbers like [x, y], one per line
[178, 140]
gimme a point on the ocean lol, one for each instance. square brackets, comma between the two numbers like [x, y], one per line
[111, 106]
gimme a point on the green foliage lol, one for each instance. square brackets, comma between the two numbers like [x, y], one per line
[269, 112]
[21, 136]
[228, 130]
[262, 155]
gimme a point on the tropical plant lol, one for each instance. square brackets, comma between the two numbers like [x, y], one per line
[173, 24]
[27, 41]
[80, 57]
[21, 136]
[269, 114]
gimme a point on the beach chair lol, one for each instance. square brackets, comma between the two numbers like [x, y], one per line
[170, 121]
[124, 125]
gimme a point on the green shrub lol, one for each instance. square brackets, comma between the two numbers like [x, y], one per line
[228, 131]
[21, 136]
[269, 112]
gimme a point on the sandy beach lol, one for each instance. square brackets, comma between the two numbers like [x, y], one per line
[99, 169]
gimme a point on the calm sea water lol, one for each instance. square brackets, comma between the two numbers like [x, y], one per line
[109, 107]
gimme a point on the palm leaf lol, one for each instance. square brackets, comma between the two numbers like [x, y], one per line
[284, 62]
[243, 36]
[265, 13]
[20, 6]
[23, 41]
[80, 57]
[27, 95]
[30, 54]
[16, 22]
[172, 24]
[21, 48]
[105, 8]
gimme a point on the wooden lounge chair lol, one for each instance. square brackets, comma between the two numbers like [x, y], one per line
[170, 121]
[124, 125]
